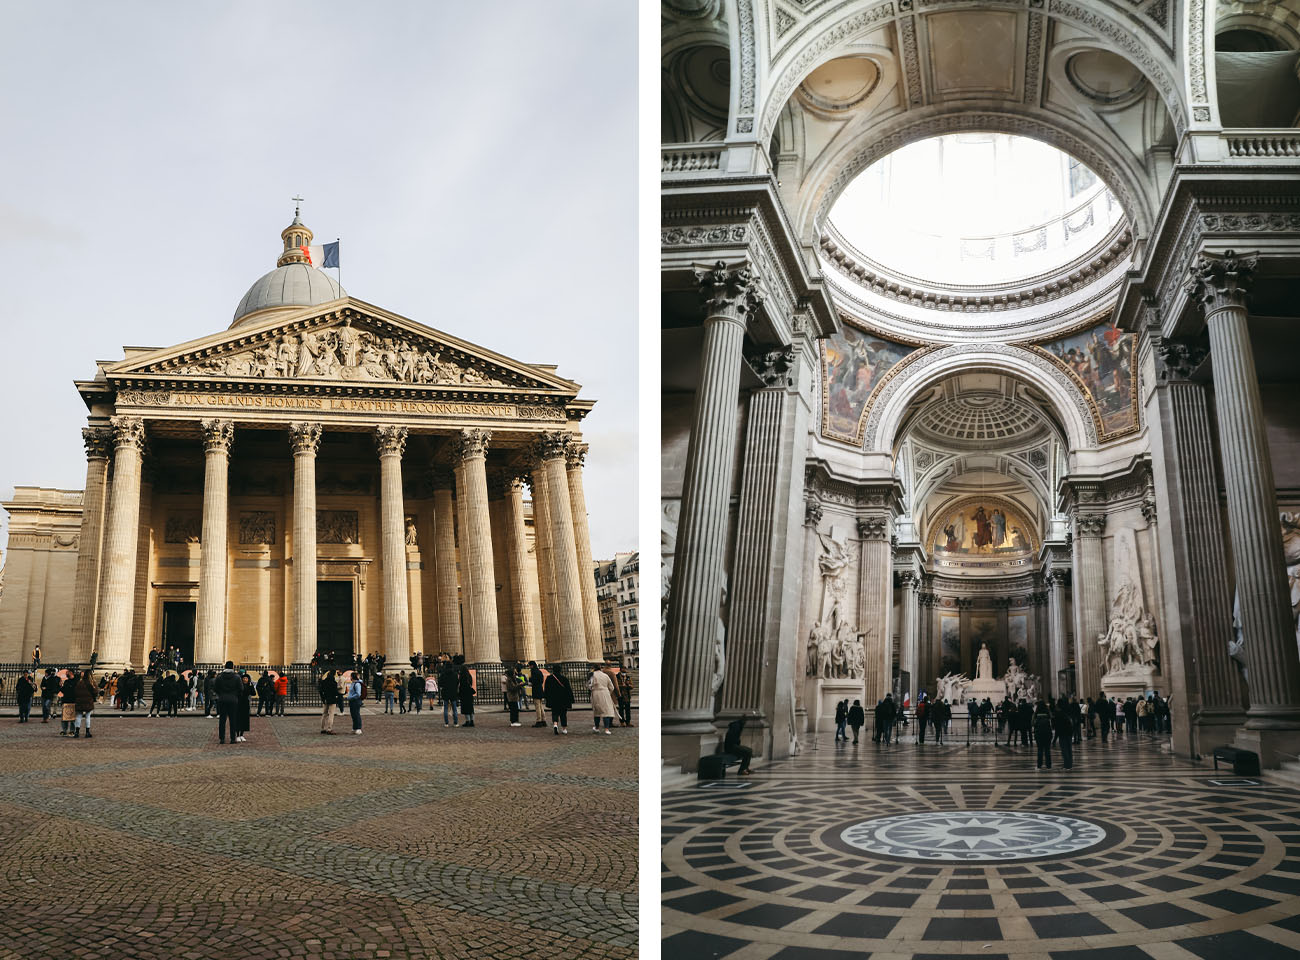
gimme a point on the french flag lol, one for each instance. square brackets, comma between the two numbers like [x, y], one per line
[322, 256]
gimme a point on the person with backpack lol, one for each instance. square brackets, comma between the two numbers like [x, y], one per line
[354, 694]
[449, 692]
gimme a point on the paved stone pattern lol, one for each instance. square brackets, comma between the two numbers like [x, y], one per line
[758, 868]
[413, 840]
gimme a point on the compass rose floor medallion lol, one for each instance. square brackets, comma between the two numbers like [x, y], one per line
[973, 836]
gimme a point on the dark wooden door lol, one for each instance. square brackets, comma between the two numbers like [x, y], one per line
[334, 617]
[178, 628]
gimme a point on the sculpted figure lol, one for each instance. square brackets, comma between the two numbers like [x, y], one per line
[1147, 639]
[349, 341]
[814, 650]
[720, 644]
[984, 663]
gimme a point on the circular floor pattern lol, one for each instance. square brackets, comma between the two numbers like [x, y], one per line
[973, 836]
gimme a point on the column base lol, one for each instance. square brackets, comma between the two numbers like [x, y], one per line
[685, 749]
[1273, 746]
[1210, 732]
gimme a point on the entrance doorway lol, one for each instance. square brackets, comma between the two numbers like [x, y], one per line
[334, 618]
[178, 628]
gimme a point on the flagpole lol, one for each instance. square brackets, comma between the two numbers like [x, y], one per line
[339, 267]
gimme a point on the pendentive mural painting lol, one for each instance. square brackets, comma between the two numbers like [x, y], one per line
[853, 364]
[1100, 360]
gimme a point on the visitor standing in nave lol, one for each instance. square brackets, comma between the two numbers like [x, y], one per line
[1043, 735]
[842, 718]
[942, 712]
[857, 717]
[888, 715]
[1063, 724]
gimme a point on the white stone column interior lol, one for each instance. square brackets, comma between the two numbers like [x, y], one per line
[210, 619]
[1221, 284]
[85, 590]
[121, 539]
[1057, 629]
[875, 600]
[390, 441]
[481, 642]
[575, 455]
[696, 592]
[1091, 603]
[808, 612]
[526, 638]
[909, 627]
[305, 441]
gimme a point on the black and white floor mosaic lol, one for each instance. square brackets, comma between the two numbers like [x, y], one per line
[898, 854]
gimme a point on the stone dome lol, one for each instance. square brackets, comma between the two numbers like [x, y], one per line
[292, 285]
[977, 420]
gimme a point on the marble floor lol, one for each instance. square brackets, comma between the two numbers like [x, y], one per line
[914, 852]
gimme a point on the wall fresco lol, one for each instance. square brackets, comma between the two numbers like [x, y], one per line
[853, 364]
[1102, 360]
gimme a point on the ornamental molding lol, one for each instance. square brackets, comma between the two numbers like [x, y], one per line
[218, 435]
[748, 65]
[914, 367]
[390, 441]
[1033, 58]
[873, 528]
[1090, 524]
[911, 59]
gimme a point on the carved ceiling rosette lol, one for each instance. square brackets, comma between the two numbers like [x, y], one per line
[1222, 281]
[129, 432]
[470, 443]
[729, 292]
[305, 437]
[218, 435]
[98, 441]
[390, 440]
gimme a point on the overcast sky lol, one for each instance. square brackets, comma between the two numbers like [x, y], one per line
[477, 160]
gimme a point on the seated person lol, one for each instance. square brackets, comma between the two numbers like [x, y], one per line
[731, 744]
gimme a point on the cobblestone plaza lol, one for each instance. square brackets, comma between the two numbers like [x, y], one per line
[413, 840]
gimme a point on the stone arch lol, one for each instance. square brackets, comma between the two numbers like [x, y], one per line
[1135, 193]
[907, 379]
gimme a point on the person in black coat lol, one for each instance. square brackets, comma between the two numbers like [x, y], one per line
[537, 681]
[24, 690]
[1063, 723]
[1025, 721]
[49, 693]
[731, 744]
[466, 681]
[208, 706]
[449, 692]
[1043, 735]
[559, 698]
[226, 689]
[857, 717]
[841, 718]
[941, 713]
[888, 714]
[244, 714]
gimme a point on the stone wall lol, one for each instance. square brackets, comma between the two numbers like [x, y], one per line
[40, 567]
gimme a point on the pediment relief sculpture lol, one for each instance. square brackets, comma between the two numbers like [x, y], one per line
[342, 352]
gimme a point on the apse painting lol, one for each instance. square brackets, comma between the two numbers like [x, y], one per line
[984, 528]
[1018, 637]
[853, 364]
[950, 644]
[1101, 360]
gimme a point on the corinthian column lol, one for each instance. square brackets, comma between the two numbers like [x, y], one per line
[808, 612]
[1057, 629]
[121, 538]
[909, 627]
[1198, 605]
[547, 597]
[481, 642]
[1221, 284]
[551, 450]
[305, 439]
[526, 638]
[444, 563]
[99, 446]
[875, 599]
[210, 625]
[391, 443]
[574, 457]
[1090, 601]
[692, 618]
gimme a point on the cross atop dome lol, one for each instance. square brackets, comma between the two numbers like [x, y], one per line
[296, 237]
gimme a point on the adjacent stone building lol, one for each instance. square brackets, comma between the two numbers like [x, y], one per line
[324, 475]
[617, 589]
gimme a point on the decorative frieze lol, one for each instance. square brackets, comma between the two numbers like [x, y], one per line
[257, 527]
[337, 526]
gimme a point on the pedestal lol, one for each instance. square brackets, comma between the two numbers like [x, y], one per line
[824, 694]
[977, 690]
[1133, 682]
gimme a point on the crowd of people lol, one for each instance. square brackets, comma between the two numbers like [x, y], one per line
[233, 697]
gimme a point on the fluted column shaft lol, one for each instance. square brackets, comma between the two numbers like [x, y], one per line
[1091, 604]
[545, 564]
[526, 639]
[210, 621]
[1257, 558]
[696, 592]
[1057, 631]
[85, 590]
[482, 644]
[121, 539]
[875, 600]
[391, 443]
[569, 621]
[908, 628]
[305, 440]
[574, 457]
[444, 563]
[808, 612]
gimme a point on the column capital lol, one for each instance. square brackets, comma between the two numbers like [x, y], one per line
[1177, 359]
[390, 440]
[515, 484]
[873, 528]
[305, 437]
[128, 432]
[909, 579]
[469, 444]
[552, 445]
[1090, 524]
[812, 512]
[98, 441]
[772, 364]
[575, 455]
[729, 291]
[1222, 280]
[218, 435]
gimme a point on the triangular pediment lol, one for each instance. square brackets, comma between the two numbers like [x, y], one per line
[347, 341]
